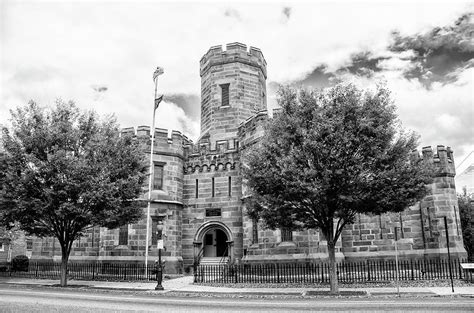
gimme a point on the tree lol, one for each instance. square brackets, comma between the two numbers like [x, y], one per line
[330, 155]
[67, 171]
[466, 205]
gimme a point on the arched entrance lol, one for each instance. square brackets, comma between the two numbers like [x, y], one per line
[215, 243]
[213, 240]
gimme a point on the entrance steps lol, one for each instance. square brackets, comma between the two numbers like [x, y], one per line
[214, 260]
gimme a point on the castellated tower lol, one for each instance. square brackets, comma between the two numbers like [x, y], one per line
[233, 88]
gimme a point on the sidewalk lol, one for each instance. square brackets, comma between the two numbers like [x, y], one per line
[185, 284]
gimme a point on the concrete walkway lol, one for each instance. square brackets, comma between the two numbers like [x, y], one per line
[185, 284]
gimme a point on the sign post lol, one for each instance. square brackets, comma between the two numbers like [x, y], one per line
[449, 254]
[396, 262]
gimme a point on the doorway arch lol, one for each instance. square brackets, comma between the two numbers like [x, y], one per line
[213, 239]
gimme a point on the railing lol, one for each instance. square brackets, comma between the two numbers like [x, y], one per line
[225, 259]
[197, 259]
[348, 272]
[84, 271]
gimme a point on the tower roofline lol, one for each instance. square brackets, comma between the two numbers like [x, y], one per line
[235, 52]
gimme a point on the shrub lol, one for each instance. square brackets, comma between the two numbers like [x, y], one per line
[20, 263]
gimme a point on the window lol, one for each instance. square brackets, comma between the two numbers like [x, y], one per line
[225, 94]
[197, 188]
[158, 177]
[123, 235]
[29, 244]
[230, 186]
[212, 187]
[2, 246]
[286, 234]
[254, 231]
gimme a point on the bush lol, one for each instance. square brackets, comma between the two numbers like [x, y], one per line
[20, 263]
[3, 267]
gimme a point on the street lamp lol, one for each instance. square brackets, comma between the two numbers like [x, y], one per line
[159, 264]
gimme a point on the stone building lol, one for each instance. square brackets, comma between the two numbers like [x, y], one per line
[198, 191]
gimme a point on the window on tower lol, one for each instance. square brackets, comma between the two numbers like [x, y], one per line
[158, 176]
[225, 94]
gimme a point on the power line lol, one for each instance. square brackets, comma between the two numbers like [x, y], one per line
[464, 160]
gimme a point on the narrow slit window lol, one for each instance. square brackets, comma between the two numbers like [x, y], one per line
[158, 177]
[225, 94]
[197, 188]
[29, 244]
[212, 188]
[254, 231]
[123, 235]
[230, 186]
[286, 234]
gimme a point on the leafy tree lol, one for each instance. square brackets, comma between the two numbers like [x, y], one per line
[67, 171]
[466, 205]
[330, 155]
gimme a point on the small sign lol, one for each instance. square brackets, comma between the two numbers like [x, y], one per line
[160, 244]
[213, 212]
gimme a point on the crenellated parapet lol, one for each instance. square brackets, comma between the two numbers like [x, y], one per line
[442, 160]
[204, 157]
[142, 133]
[163, 143]
[251, 130]
[235, 52]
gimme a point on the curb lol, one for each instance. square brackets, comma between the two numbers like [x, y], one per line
[303, 293]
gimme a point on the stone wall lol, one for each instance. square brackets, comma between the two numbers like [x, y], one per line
[421, 231]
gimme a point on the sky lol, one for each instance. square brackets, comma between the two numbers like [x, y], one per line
[102, 54]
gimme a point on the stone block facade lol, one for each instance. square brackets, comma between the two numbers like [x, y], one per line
[200, 200]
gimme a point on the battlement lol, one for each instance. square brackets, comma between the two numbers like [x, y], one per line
[205, 147]
[253, 128]
[443, 160]
[202, 156]
[161, 135]
[235, 52]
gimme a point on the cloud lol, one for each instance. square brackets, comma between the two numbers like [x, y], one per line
[99, 88]
[363, 64]
[232, 13]
[190, 103]
[436, 103]
[287, 13]
[319, 77]
[439, 54]
[172, 117]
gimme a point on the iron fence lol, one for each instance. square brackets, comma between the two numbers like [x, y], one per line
[83, 271]
[347, 272]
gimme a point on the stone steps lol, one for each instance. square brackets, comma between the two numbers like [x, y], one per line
[214, 260]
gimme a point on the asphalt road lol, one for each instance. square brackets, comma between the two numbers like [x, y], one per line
[57, 300]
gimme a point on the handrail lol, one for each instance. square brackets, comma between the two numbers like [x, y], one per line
[197, 259]
[222, 260]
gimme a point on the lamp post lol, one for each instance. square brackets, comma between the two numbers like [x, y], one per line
[159, 264]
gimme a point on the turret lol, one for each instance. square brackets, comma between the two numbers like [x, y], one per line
[233, 88]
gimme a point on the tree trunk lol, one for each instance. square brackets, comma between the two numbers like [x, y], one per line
[64, 260]
[332, 267]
